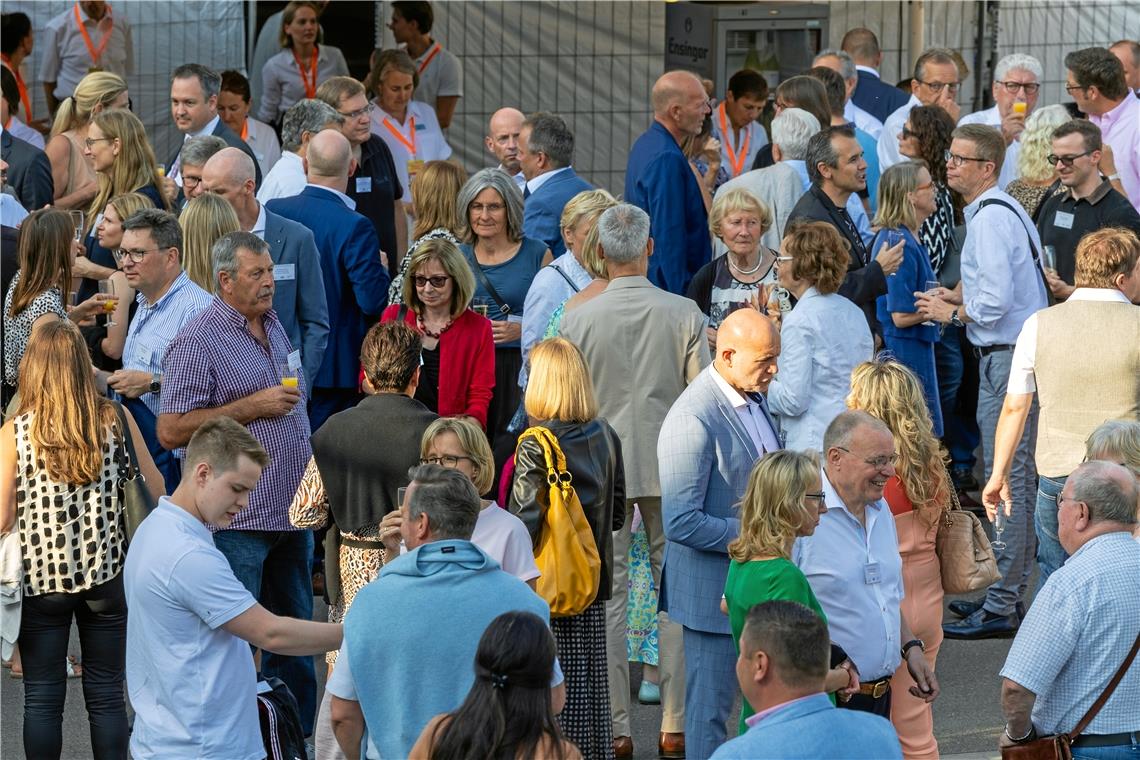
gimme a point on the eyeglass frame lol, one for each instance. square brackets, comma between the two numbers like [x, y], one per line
[820, 497]
[1066, 161]
[953, 158]
[778, 259]
[877, 462]
[89, 142]
[136, 257]
[416, 280]
[368, 109]
[907, 133]
[939, 86]
[1070, 87]
[1030, 88]
[440, 459]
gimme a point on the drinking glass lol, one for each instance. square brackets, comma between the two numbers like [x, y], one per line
[160, 169]
[79, 221]
[1049, 258]
[999, 526]
[289, 379]
[108, 286]
[892, 238]
[929, 287]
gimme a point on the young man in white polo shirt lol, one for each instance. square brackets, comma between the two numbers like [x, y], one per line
[190, 673]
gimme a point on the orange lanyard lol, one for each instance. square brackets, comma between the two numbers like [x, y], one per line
[95, 54]
[24, 100]
[245, 130]
[434, 52]
[310, 87]
[408, 142]
[735, 160]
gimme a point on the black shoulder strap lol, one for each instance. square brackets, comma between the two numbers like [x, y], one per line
[402, 314]
[504, 307]
[1032, 248]
[565, 277]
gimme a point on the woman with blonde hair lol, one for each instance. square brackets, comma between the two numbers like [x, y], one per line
[580, 233]
[74, 179]
[918, 494]
[560, 397]
[1034, 172]
[301, 66]
[67, 443]
[906, 199]
[782, 501]
[433, 206]
[119, 152]
[458, 372]
[204, 220]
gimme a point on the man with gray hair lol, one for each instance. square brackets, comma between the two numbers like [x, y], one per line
[303, 120]
[779, 186]
[299, 292]
[1083, 623]
[194, 92]
[546, 148]
[445, 590]
[841, 62]
[232, 360]
[195, 153]
[935, 83]
[643, 346]
[1016, 85]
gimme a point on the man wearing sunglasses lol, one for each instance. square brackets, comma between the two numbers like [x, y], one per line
[1015, 89]
[1086, 201]
[935, 83]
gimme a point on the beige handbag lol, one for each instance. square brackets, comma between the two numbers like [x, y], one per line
[964, 552]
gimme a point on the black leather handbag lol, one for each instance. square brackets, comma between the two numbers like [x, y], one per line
[134, 497]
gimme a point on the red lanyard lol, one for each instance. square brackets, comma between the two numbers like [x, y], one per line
[434, 52]
[24, 100]
[95, 54]
[310, 87]
[408, 142]
[735, 160]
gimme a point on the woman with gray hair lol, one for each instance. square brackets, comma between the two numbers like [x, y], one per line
[504, 263]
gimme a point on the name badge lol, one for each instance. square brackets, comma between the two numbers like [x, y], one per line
[363, 184]
[871, 573]
[294, 360]
[1064, 220]
[284, 272]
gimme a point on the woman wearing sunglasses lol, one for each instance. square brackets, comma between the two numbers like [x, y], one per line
[458, 372]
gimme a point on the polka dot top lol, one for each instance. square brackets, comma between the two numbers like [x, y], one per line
[71, 536]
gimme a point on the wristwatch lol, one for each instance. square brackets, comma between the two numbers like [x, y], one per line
[912, 643]
[956, 320]
[155, 382]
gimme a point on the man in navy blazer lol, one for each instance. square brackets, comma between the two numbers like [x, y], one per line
[299, 289]
[871, 94]
[29, 171]
[546, 149]
[783, 659]
[713, 435]
[355, 277]
[194, 92]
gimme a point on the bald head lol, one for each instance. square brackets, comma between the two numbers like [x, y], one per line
[680, 104]
[747, 345]
[230, 174]
[673, 87]
[862, 45]
[503, 137]
[330, 159]
[233, 163]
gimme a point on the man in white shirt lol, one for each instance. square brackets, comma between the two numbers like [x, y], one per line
[935, 83]
[1095, 79]
[84, 38]
[842, 62]
[190, 672]
[1002, 285]
[1017, 82]
[502, 141]
[306, 118]
[852, 563]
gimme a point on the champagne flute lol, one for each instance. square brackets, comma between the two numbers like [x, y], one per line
[999, 526]
[929, 287]
[79, 221]
[1049, 258]
[289, 379]
[108, 287]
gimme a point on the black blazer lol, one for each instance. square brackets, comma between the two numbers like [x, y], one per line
[593, 457]
[29, 172]
[234, 141]
[864, 282]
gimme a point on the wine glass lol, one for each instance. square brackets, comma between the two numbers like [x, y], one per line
[108, 287]
[999, 526]
[929, 287]
[1049, 258]
[79, 221]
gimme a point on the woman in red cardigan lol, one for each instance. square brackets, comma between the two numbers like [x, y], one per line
[458, 371]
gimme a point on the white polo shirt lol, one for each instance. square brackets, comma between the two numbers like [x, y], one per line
[429, 140]
[192, 684]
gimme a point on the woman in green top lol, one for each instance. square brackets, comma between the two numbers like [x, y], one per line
[783, 500]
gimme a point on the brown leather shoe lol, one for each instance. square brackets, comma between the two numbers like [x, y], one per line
[623, 747]
[671, 745]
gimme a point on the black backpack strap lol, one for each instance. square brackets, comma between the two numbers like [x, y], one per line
[504, 307]
[1033, 249]
[565, 277]
[402, 314]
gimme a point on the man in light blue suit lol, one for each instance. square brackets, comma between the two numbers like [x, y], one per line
[783, 659]
[299, 290]
[715, 431]
[546, 149]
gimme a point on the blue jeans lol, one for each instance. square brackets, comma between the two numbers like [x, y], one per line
[1050, 554]
[960, 433]
[1117, 752]
[276, 567]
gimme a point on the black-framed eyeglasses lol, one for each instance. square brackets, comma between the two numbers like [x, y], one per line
[907, 134]
[90, 141]
[436, 281]
[820, 497]
[1065, 160]
[358, 112]
[190, 182]
[449, 461]
[953, 159]
[121, 254]
[877, 462]
[1069, 88]
[1029, 87]
[939, 86]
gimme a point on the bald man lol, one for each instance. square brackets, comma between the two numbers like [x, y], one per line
[1128, 51]
[299, 290]
[354, 272]
[502, 141]
[659, 180]
[714, 433]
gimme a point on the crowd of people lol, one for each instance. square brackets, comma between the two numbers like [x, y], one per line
[520, 432]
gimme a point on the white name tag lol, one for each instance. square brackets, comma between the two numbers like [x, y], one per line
[284, 272]
[363, 184]
[1064, 220]
[294, 360]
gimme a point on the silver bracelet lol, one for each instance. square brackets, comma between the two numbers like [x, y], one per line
[1016, 740]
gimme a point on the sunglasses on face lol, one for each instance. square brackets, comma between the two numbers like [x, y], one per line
[437, 281]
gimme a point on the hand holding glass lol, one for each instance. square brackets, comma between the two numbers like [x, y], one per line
[289, 379]
[108, 287]
[931, 286]
[999, 526]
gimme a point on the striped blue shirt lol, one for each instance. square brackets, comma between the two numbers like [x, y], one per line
[1075, 636]
[155, 325]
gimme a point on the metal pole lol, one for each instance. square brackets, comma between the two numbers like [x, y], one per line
[917, 28]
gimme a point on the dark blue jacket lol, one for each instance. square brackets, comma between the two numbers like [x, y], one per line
[542, 214]
[878, 98]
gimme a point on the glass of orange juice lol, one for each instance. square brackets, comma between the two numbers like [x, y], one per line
[1019, 108]
[289, 379]
[108, 287]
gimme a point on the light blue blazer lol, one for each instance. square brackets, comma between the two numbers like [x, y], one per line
[705, 456]
[814, 728]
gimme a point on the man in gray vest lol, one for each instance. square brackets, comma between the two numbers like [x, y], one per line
[1083, 374]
